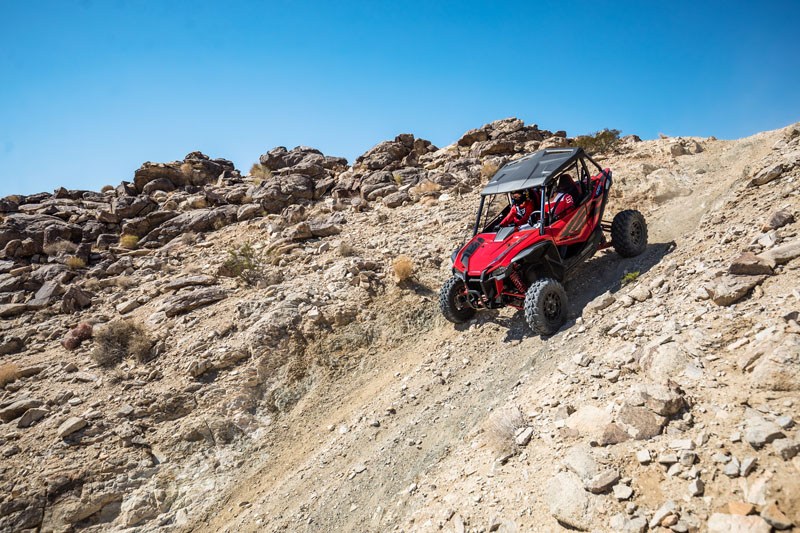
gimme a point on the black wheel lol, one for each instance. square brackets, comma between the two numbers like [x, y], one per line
[629, 233]
[546, 306]
[453, 301]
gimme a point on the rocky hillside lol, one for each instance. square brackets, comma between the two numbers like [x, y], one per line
[197, 349]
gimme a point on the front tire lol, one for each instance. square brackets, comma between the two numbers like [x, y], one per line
[453, 301]
[629, 233]
[546, 306]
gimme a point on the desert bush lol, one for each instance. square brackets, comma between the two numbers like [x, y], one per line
[128, 241]
[599, 141]
[403, 268]
[189, 238]
[501, 428]
[119, 340]
[60, 247]
[245, 263]
[398, 179]
[629, 277]
[346, 249]
[8, 372]
[186, 169]
[74, 262]
[260, 173]
[427, 186]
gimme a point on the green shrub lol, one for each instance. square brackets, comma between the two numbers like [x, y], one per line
[599, 141]
[629, 277]
[245, 263]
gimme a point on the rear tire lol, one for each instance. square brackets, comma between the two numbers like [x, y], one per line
[629, 233]
[546, 306]
[453, 302]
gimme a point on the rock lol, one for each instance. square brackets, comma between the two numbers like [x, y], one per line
[667, 509]
[613, 434]
[781, 255]
[9, 413]
[643, 456]
[778, 220]
[640, 293]
[31, 416]
[639, 422]
[140, 506]
[589, 421]
[568, 502]
[324, 229]
[662, 400]
[603, 301]
[396, 199]
[740, 508]
[127, 306]
[775, 517]
[75, 300]
[188, 281]
[748, 465]
[749, 264]
[70, 426]
[696, 487]
[663, 362]
[602, 482]
[473, 136]
[728, 523]
[579, 460]
[524, 436]
[77, 335]
[759, 432]
[10, 345]
[786, 448]
[188, 301]
[11, 310]
[620, 523]
[766, 175]
[730, 289]
[622, 492]
[46, 294]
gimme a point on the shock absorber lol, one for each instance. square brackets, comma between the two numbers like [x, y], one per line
[516, 279]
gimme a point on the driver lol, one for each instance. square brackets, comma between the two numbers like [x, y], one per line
[521, 209]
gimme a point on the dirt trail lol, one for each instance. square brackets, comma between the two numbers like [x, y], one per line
[354, 452]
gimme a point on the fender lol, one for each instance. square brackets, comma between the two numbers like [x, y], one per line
[546, 254]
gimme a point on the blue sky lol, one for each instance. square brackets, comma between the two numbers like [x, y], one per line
[91, 89]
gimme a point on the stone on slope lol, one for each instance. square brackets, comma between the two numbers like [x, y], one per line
[766, 175]
[781, 254]
[71, 425]
[778, 220]
[188, 281]
[728, 290]
[589, 421]
[759, 432]
[579, 460]
[16, 409]
[639, 422]
[775, 517]
[749, 264]
[731, 523]
[662, 400]
[31, 416]
[568, 502]
[188, 301]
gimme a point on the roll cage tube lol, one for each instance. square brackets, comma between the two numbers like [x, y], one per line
[478, 219]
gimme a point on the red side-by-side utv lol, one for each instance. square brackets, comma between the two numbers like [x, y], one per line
[524, 263]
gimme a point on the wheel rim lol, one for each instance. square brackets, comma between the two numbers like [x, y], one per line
[636, 233]
[552, 306]
[460, 298]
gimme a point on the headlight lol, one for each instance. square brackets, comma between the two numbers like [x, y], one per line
[499, 273]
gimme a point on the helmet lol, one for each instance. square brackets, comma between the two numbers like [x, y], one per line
[517, 197]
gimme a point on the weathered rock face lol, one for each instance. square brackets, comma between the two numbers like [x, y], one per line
[195, 169]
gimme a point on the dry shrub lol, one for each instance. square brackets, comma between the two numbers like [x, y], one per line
[427, 187]
[124, 282]
[128, 242]
[60, 247]
[345, 249]
[502, 427]
[189, 238]
[403, 268]
[186, 169]
[489, 169]
[74, 262]
[119, 340]
[259, 173]
[8, 372]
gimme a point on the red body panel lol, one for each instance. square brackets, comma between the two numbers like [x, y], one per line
[575, 227]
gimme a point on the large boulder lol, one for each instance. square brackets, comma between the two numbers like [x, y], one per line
[198, 221]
